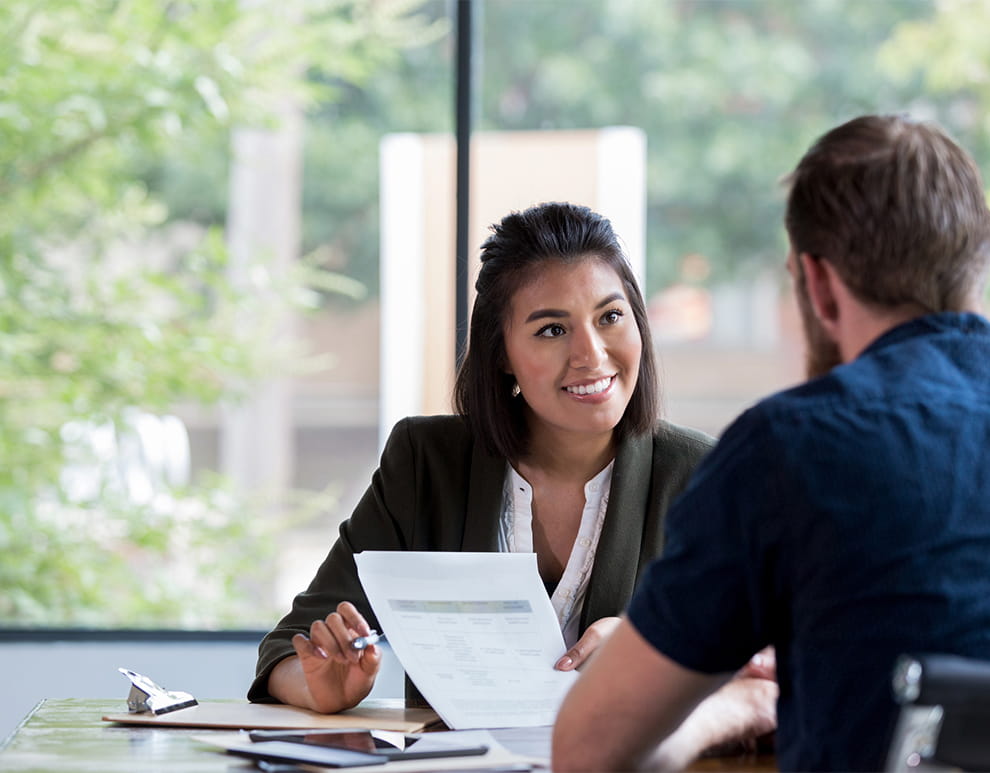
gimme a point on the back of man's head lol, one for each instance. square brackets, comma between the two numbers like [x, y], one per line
[899, 210]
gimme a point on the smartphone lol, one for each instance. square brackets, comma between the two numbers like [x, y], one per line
[288, 752]
[384, 746]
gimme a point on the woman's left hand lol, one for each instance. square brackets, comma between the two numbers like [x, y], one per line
[592, 639]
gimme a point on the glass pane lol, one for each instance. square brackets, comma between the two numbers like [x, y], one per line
[728, 94]
[198, 196]
[189, 272]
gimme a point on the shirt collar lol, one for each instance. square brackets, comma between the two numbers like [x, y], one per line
[966, 322]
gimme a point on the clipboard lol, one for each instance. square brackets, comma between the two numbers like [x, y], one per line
[383, 714]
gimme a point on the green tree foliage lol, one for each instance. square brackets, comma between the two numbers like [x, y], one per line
[412, 92]
[101, 101]
[114, 124]
[946, 60]
[729, 93]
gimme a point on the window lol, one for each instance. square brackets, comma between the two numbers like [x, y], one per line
[196, 199]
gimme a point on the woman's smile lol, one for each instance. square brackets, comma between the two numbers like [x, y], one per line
[594, 389]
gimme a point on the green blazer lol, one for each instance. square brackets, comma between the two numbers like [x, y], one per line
[437, 489]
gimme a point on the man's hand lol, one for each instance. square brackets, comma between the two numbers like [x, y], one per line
[731, 720]
[728, 721]
[628, 699]
[763, 665]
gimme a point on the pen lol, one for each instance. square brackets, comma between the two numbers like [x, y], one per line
[361, 642]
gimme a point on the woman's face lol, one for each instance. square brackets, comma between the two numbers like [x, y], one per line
[573, 347]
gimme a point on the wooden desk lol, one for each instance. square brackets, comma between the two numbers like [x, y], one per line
[68, 735]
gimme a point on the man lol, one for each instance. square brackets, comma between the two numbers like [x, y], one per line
[844, 521]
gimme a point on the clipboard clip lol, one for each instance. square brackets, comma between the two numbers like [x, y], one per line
[145, 695]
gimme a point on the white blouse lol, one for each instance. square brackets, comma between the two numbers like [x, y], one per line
[516, 536]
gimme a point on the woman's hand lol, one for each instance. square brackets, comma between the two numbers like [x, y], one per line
[328, 675]
[592, 639]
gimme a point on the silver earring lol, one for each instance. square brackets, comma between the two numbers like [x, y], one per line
[516, 391]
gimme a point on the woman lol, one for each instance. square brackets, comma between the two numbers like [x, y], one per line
[556, 448]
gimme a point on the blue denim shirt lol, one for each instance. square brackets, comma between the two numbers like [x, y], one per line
[845, 521]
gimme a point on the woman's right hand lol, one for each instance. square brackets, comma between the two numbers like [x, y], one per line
[328, 675]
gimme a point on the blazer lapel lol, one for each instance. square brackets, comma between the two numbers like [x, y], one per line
[613, 577]
[484, 501]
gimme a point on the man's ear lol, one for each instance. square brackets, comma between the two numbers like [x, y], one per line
[820, 280]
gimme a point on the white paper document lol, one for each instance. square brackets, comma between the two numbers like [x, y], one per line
[475, 632]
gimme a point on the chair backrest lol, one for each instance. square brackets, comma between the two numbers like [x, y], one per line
[944, 722]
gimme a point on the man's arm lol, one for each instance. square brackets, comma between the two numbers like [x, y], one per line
[629, 699]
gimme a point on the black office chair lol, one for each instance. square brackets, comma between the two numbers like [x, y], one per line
[944, 722]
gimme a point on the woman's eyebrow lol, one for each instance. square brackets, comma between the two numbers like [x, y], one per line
[610, 299]
[560, 313]
[541, 313]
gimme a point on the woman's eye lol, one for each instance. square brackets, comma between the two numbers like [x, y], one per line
[612, 316]
[551, 331]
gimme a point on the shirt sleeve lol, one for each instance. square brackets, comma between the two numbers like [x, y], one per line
[706, 602]
[379, 522]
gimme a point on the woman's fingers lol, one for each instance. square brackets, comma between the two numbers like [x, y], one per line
[371, 659]
[331, 637]
[305, 648]
[312, 657]
[342, 635]
[353, 619]
[585, 647]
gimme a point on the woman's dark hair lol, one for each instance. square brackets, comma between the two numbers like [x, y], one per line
[519, 245]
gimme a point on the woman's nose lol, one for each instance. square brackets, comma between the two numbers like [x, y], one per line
[587, 349]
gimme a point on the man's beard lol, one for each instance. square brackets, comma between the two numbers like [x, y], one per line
[821, 352]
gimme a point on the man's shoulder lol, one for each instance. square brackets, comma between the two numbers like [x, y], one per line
[841, 387]
[914, 372]
[936, 357]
